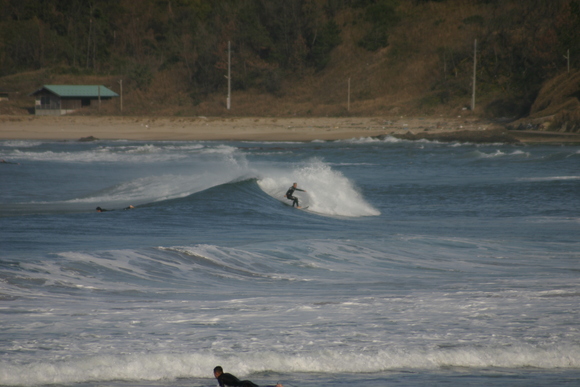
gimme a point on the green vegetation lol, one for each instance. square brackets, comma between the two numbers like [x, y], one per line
[382, 16]
[281, 46]
[139, 38]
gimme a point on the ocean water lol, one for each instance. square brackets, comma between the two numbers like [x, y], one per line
[416, 264]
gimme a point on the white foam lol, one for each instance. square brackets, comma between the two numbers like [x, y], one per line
[499, 153]
[237, 307]
[230, 262]
[101, 154]
[367, 140]
[170, 366]
[20, 144]
[137, 153]
[329, 192]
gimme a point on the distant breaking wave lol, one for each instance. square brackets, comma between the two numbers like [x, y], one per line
[550, 178]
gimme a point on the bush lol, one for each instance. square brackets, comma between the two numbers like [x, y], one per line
[381, 15]
[273, 81]
[328, 39]
[475, 19]
[142, 76]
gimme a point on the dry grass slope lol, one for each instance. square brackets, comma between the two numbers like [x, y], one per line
[399, 80]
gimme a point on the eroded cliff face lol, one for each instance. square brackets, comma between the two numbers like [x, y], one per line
[557, 106]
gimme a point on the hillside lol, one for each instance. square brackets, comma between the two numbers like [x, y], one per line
[401, 57]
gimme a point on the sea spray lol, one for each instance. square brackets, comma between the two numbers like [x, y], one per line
[329, 192]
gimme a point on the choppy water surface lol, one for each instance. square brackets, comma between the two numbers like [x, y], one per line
[416, 263]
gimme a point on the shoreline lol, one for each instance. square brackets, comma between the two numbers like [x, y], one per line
[299, 129]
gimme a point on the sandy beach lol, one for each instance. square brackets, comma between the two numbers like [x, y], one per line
[262, 129]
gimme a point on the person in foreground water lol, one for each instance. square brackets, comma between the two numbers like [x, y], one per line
[290, 195]
[225, 379]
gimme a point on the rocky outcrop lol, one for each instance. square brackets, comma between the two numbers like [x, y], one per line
[557, 107]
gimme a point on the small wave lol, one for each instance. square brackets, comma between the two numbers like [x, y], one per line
[229, 262]
[522, 356]
[20, 144]
[142, 153]
[168, 366]
[220, 149]
[499, 153]
[97, 155]
[138, 191]
[149, 189]
[549, 178]
[351, 164]
[554, 219]
[369, 140]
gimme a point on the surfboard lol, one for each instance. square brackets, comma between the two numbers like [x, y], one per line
[290, 205]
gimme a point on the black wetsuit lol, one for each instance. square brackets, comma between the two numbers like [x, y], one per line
[230, 380]
[290, 193]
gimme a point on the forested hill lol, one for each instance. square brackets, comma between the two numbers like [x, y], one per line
[291, 57]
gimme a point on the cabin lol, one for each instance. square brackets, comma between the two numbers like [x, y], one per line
[57, 100]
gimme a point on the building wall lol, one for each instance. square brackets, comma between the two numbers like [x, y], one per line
[52, 112]
[48, 104]
[70, 104]
[47, 101]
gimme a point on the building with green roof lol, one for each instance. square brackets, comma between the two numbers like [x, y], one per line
[56, 100]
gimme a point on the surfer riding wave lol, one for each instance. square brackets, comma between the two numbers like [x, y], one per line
[290, 195]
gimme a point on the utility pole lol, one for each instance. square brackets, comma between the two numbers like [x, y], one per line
[348, 98]
[89, 38]
[229, 101]
[121, 93]
[474, 74]
[444, 63]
